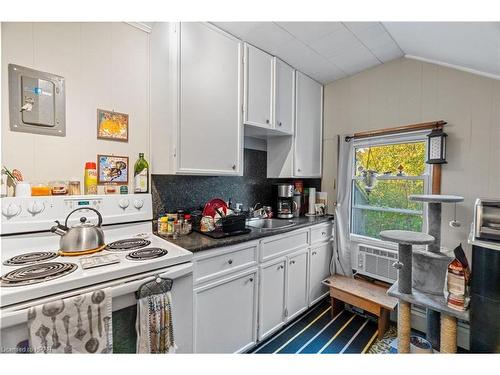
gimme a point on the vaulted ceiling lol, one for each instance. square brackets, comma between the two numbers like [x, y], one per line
[328, 51]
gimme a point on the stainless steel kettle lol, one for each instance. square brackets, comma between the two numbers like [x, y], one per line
[84, 237]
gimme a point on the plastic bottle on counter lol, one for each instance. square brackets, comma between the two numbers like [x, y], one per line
[90, 178]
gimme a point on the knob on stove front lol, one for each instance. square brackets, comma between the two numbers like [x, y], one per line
[36, 207]
[12, 209]
[138, 203]
[123, 203]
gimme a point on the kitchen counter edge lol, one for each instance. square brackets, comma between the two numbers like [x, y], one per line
[196, 242]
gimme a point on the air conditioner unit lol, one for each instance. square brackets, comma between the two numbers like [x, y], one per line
[377, 263]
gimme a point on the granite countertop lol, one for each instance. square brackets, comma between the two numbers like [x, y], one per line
[196, 242]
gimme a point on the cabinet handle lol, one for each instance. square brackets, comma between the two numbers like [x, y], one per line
[234, 167]
[314, 253]
[230, 261]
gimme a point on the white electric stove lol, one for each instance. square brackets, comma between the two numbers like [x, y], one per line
[33, 272]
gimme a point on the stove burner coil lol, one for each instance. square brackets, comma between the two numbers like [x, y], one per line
[146, 254]
[128, 244]
[30, 258]
[37, 273]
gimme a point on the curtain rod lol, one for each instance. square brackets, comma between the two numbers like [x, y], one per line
[398, 129]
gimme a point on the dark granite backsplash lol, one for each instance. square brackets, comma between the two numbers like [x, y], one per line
[173, 192]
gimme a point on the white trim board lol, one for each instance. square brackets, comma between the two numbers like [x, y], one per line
[452, 66]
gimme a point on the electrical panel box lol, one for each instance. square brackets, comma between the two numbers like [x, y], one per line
[36, 101]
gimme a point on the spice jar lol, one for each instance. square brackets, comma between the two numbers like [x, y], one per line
[163, 225]
[40, 189]
[170, 226]
[58, 187]
[74, 188]
[110, 188]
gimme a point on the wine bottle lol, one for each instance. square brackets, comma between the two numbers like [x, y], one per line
[141, 175]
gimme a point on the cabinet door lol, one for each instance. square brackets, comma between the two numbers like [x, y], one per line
[308, 127]
[272, 298]
[297, 284]
[225, 315]
[210, 125]
[284, 97]
[319, 270]
[258, 87]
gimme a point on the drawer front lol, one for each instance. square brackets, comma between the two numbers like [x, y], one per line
[321, 233]
[225, 263]
[283, 244]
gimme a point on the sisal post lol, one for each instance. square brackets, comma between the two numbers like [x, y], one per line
[448, 334]
[404, 326]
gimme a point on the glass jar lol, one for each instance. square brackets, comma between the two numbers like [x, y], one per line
[74, 188]
[163, 225]
[40, 189]
[58, 187]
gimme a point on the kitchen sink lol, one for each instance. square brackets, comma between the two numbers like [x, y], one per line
[269, 224]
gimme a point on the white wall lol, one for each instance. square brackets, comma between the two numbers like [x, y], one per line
[106, 65]
[409, 91]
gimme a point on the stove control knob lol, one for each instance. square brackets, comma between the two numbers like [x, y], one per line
[11, 210]
[123, 203]
[138, 203]
[36, 208]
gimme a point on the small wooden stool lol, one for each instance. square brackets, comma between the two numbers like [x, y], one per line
[363, 294]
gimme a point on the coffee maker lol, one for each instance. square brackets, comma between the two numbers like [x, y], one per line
[285, 205]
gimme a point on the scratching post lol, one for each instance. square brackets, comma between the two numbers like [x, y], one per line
[404, 326]
[448, 334]
[429, 267]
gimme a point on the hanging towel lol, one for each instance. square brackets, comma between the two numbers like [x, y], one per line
[155, 333]
[80, 324]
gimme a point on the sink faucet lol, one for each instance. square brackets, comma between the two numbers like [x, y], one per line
[253, 212]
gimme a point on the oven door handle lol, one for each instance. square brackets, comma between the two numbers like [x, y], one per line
[13, 316]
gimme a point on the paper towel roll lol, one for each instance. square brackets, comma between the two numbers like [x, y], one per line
[312, 201]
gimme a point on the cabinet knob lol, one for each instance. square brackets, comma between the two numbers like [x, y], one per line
[323, 233]
[251, 279]
[279, 123]
[267, 121]
[280, 267]
[234, 167]
[314, 253]
[292, 262]
[298, 169]
[230, 261]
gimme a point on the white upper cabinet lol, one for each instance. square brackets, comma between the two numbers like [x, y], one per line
[258, 87]
[210, 131]
[202, 132]
[284, 96]
[308, 127]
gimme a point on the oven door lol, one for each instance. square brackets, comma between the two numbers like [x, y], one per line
[13, 318]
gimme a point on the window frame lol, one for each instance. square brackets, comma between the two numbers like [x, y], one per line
[409, 137]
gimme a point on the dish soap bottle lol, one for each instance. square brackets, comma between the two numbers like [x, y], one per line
[141, 175]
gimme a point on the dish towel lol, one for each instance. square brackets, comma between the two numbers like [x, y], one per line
[80, 324]
[155, 333]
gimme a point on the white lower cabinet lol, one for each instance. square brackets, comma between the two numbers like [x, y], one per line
[297, 284]
[272, 297]
[268, 281]
[321, 256]
[225, 314]
[283, 291]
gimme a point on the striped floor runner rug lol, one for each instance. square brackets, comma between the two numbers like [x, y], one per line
[316, 332]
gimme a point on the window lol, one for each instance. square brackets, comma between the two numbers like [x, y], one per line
[385, 172]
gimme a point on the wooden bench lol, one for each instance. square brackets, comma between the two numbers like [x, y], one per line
[362, 294]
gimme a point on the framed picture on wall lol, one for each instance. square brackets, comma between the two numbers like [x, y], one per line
[111, 168]
[112, 125]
